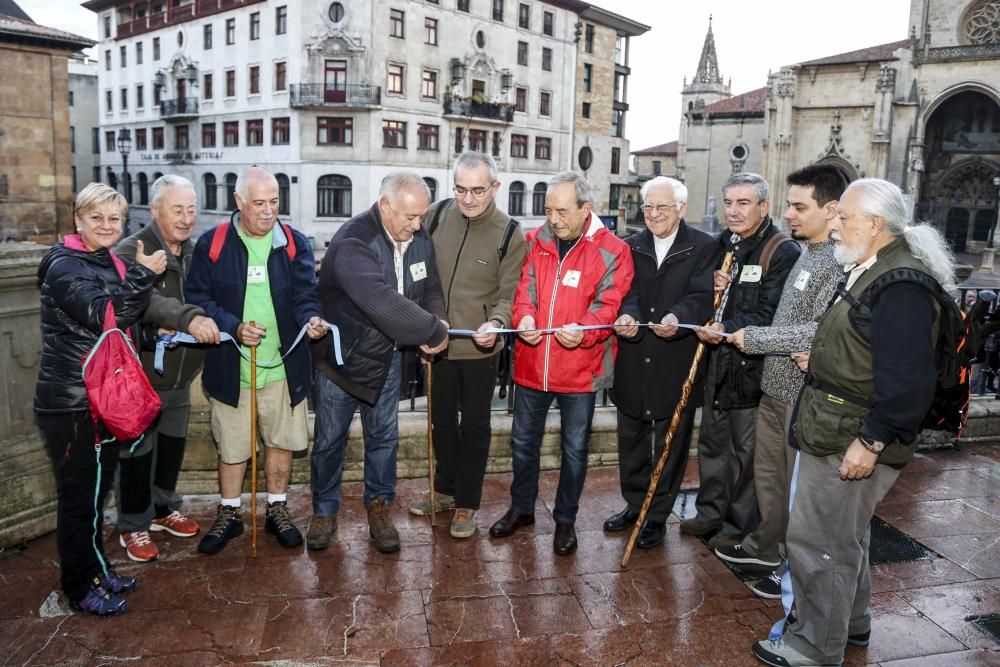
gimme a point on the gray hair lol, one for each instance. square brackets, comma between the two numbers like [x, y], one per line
[164, 182]
[883, 199]
[402, 180]
[584, 191]
[760, 188]
[680, 190]
[472, 159]
[243, 181]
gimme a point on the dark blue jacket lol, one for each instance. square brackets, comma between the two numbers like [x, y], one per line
[220, 287]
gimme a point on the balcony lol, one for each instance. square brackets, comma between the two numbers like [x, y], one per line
[349, 96]
[180, 14]
[184, 109]
[482, 110]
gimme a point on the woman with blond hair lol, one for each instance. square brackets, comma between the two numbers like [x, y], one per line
[77, 279]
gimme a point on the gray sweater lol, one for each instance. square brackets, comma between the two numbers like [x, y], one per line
[807, 291]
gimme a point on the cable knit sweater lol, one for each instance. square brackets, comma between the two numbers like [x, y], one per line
[807, 291]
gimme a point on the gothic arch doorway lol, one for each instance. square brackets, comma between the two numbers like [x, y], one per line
[843, 165]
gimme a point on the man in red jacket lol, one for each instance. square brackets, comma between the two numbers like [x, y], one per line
[576, 273]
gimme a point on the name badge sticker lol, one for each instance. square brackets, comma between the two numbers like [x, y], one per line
[802, 280]
[571, 279]
[256, 274]
[751, 273]
[418, 271]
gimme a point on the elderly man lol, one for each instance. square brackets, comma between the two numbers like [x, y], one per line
[576, 273]
[146, 482]
[672, 285]
[762, 258]
[379, 282]
[871, 382]
[813, 194]
[479, 250]
[256, 278]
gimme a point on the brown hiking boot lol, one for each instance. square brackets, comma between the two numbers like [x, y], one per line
[320, 530]
[380, 526]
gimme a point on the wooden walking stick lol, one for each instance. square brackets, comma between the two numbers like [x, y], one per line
[253, 446]
[675, 420]
[430, 445]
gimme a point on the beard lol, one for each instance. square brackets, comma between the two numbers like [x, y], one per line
[846, 255]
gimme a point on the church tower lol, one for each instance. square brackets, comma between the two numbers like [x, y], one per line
[706, 87]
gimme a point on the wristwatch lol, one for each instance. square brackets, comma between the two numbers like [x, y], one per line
[873, 446]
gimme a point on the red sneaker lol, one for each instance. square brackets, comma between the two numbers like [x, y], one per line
[176, 524]
[138, 546]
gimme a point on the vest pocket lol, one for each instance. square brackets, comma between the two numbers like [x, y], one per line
[826, 425]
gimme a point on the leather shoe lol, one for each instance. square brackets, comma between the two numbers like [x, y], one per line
[564, 541]
[510, 522]
[621, 521]
[652, 534]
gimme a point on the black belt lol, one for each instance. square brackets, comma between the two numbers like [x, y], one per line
[836, 394]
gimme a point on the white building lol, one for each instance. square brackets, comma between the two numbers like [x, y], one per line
[84, 122]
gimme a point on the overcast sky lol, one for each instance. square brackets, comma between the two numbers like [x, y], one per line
[750, 38]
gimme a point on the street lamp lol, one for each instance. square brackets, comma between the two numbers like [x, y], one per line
[125, 147]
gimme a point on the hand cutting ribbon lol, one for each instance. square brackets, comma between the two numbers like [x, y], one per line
[573, 327]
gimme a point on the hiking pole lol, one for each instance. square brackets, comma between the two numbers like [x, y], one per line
[430, 444]
[253, 446]
[675, 422]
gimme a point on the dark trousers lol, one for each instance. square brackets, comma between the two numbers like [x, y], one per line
[145, 482]
[79, 470]
[462, 397]
[640, 443]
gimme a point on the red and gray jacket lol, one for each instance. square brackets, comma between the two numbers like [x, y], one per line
[586, 287]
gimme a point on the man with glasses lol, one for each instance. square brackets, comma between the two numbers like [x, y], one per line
[672, 285]
[379, 283]
[479, 251]
[576, 273]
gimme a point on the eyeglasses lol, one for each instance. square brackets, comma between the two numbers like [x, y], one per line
[477, 192]
[659, 208]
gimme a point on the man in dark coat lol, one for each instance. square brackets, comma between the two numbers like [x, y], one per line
[672, 285]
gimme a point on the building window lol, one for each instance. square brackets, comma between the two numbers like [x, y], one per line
[95, 140]
[255, 132]
[281, 20]
[522, 53]
[230, 83]
[498, 10]
[143, 188]
[618, 123]
[336, 12]
[206, 37]
[429, 85]
[280, 79]
[231, 133]
[496, 144]
[157, 138]
[123, 57]
[546, 59]
[588, 39]
[543, 148]
[140, 139]
[545, 104]
[140, 100]
[547, 23]
[157, 94]
[107, 35]
[462, 5]
[72, 140]
[124, 98]
[254, 26]
[138, 53]
[96, 176]
[280, 131]
[521, 99]
[427, 138]
[538, 199]
[616, 159]
[430, 31]
[588, 78]
[394, 79]
[109, 104]
[515, 199]
[477, 140]
[112, 179]
[397, 27]
[284, 194]
[156, 49]
[334, 131]
[657, 168]
[519, 145]
[230, 191]
[181, 137]
[211, 193]
[107, 60]
[393, 134]
[208, 136]
[523, 16]
[206, 87]
[230, 31]
[333, 196]
[585, 111]
[458, 140]
[255, 79]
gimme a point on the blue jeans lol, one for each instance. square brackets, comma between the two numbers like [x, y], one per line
[576, 412]
[334, 411]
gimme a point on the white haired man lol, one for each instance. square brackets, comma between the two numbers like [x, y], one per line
[870, 384]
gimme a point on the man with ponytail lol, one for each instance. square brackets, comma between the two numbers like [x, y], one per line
[871, 380]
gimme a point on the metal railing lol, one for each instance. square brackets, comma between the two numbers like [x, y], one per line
[184, 108]
[328, 95]
[489, 110]
[173, 15]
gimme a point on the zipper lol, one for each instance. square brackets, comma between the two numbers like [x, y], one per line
[454, 269]
[552, 308]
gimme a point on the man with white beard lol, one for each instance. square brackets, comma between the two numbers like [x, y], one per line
[870, 384]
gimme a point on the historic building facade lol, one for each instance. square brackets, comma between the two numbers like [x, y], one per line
[84, 122]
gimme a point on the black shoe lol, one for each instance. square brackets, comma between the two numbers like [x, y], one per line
[510, 522]
[769, 588]
[280, 525]
[860, 638]
[564, 541]
[621, 521]
[652, 534]
[228, 524]
[699, 527]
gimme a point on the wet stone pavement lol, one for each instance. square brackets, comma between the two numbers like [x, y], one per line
[508, 602]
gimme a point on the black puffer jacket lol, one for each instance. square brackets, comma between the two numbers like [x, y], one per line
[75, 288]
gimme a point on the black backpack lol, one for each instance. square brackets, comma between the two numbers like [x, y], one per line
[508, 231]
[958, 341]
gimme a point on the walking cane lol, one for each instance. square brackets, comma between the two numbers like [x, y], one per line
[676, 419]
[430, 445]
[253, 446]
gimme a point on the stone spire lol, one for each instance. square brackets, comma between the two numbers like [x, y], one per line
[707, 85]
[708, 65]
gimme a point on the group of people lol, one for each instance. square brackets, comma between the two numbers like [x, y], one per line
[804, 427]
